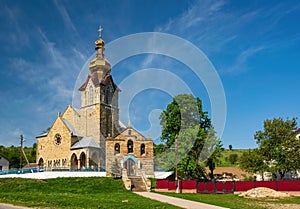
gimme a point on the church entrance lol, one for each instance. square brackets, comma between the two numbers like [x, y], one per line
[130, 164]
[130, 167]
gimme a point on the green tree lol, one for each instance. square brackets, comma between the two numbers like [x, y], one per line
[278, 145]
[116, 170]
[212, 149]
[253, 162]
[233, 158]
[230, 147]
[185, 119]
[159, 148]
[183, 112]
[278, 151]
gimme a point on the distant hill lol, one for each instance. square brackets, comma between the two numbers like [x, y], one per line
[228, 156]
[12, 154]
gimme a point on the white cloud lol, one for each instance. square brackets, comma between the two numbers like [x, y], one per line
[65, 15]
[210, 26]
[18, 37]
[240, 63]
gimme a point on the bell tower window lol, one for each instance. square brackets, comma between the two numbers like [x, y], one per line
[91, 93]
[142, 149]
[130, 146]
[117, 148]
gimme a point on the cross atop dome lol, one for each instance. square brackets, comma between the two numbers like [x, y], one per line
[100, 43]
[100, 31]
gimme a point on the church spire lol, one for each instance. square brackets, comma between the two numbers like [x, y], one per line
[100, 44]
[99, 65]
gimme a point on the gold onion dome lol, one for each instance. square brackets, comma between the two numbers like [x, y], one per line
[99, 64]
[99, 44]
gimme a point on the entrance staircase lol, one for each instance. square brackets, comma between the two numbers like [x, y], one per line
[137, 184]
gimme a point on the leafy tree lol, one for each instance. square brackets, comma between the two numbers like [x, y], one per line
[253, 162]
[278, 145]
[230, 147]
[159, 148]
[183, 112]
[116, 170]
[185, 119]
[233, 158]
[278, 151]
[213, 151]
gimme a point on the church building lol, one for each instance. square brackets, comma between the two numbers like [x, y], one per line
[93, 138]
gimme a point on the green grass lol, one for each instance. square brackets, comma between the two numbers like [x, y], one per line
[72, 193]
[235, 202]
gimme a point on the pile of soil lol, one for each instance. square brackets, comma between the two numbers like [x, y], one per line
[263, 192]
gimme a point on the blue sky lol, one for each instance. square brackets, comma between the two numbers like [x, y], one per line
[254, 46]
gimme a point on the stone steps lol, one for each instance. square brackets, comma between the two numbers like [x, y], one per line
[137, 184]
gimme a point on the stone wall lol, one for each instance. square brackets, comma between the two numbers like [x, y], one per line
[146, 159]
[55, 154]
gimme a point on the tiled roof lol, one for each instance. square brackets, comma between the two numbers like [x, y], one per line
[85, 142]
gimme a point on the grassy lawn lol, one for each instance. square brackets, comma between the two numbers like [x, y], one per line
[235, 202]
[73, 193]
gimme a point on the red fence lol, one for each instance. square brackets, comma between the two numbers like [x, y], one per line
[229, 186]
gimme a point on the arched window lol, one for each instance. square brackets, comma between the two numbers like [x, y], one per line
[117, 148]
[91, 95]
[142, 149]
[129, 132]
[130, 146]
[107, 94]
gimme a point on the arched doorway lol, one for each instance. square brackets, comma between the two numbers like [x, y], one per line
[74, 162]
[130, 164]
[82, 160]
[41, 163]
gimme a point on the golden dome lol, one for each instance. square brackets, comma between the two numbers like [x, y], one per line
[99, 44]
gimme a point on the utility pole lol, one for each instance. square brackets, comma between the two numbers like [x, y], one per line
[176, 171]
[21, 148]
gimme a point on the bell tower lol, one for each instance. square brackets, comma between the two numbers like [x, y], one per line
[99, 98]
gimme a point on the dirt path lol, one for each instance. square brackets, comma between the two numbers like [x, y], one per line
[188, 204]
[8, 206]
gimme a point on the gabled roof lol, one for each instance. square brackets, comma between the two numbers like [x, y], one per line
[70, 127]
[96, 82]
[84, 143]
[66, 123]
[130, 127]
[72, 108]
[297, 130]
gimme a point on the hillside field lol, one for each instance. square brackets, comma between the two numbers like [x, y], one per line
[225, 157]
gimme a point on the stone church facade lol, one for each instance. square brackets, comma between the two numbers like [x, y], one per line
[93, 138]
